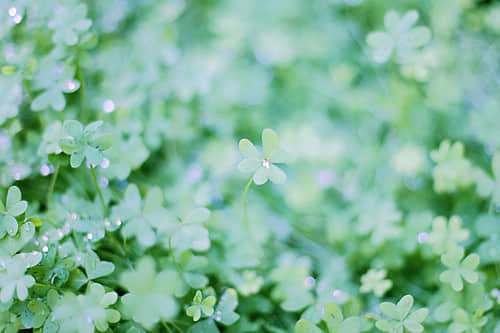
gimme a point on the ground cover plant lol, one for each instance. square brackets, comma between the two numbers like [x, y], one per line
[249, 166]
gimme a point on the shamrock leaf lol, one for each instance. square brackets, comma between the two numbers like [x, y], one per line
[11, 245]
[224, 312]
[127, 155]
[14, 206]
[201, 305]
[444, 237]
[11, 97]
[84, 313]
[13, 279]
[54, 78]
[487, 186]
[374, 280]
[334, 320]
[289, 276]
[400, 37]
[463, 322]
[84, 142]
[96, 268]
[150, 294]
[50, 139]
[140, 217]
[400, 316]
[189, 234]
[262, 163]
[67, 22]
[452, 171]
[459, 269]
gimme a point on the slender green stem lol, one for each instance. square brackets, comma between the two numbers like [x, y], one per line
[174, 261]
[99, 191]
[53, 183]
[83, 95]
[490, 208]
[245, 218]
[166, 327]
[46, 286]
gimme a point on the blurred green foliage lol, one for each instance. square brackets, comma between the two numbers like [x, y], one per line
[124, 125]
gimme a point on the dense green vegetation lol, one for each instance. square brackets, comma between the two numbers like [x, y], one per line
[249, 166]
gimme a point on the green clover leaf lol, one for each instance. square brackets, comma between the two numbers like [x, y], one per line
[335, 322]
[85, 313]
[374, 280]
[401, 318]
[262, 163]
[400, 37]
[452, 170]
[150, 294]
[67, 22]
[84, 142]
[464, 322]
[13, 279]
[141, 217]
[55, 79]
[459, 269]
[445, 236]
[14, 207]
[201, 306]
[224, 313]
[11, 96]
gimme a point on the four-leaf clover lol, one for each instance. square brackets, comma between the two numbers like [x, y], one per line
[262, 163]
[84, 142]
[205, 305]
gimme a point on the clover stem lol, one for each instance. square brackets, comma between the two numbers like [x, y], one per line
[46, 286]
[490, 208]
[83, 94]
[166, 327]
[245, 217]
[174, 261]
[98, 191]
[53, 183]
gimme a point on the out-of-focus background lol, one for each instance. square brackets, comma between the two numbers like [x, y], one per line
[390, 113]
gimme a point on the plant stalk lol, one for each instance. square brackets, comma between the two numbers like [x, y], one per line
[104, 209]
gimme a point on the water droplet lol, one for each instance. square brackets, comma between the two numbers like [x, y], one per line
[74, 216]
[89, 320]
[309, 282]
[45, 238]
[45, 170]
[104, 182]
[69, 85]
[108, 106]
[118, 222]
[105, 163]
[107, 223]
[60, 233]
[265, 163]
[422, 237]
[12, 11]
[337, 293]
[45, 249]
[217, 318]
[326, 178]
[17, 176]
[89, 236]
[17, 19]
[495, 292]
